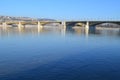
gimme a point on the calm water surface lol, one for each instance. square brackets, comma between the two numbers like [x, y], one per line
[53, 54]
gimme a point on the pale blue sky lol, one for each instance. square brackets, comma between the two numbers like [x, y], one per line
[62, 9]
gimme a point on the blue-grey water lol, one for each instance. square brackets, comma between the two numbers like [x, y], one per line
[54, 54]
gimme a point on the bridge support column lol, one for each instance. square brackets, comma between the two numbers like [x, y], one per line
[64, 25]
[40, 27]
[20, 26]
[87, 25]
[87, 29]
[4, 25]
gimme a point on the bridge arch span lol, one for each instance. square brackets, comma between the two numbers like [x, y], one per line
[98, 23]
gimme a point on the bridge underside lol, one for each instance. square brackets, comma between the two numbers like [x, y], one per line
[65, 23]
[91, 23]
[102, 22]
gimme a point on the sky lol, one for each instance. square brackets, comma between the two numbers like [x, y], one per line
[62, 9]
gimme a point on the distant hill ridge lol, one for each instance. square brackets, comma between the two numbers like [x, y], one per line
[11, 18]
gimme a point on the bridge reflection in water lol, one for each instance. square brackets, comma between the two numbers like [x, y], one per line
[61, 30]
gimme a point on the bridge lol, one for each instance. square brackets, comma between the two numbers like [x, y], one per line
[64, 24]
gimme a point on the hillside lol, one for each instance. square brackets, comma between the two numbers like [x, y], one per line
[10, 18]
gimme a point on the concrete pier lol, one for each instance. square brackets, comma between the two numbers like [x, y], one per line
[4, 25]
[87, 25]
[21, 27]
[40, 27]
[64, 24]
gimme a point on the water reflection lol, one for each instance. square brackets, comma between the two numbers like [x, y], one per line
[6, 31]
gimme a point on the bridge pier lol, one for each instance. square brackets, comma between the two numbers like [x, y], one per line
[64, 25]
[4, 25]
[87, 25]
[40, 27]
[20, 26]
[87, 29]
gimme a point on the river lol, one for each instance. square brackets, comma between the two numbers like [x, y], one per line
[55, 54]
